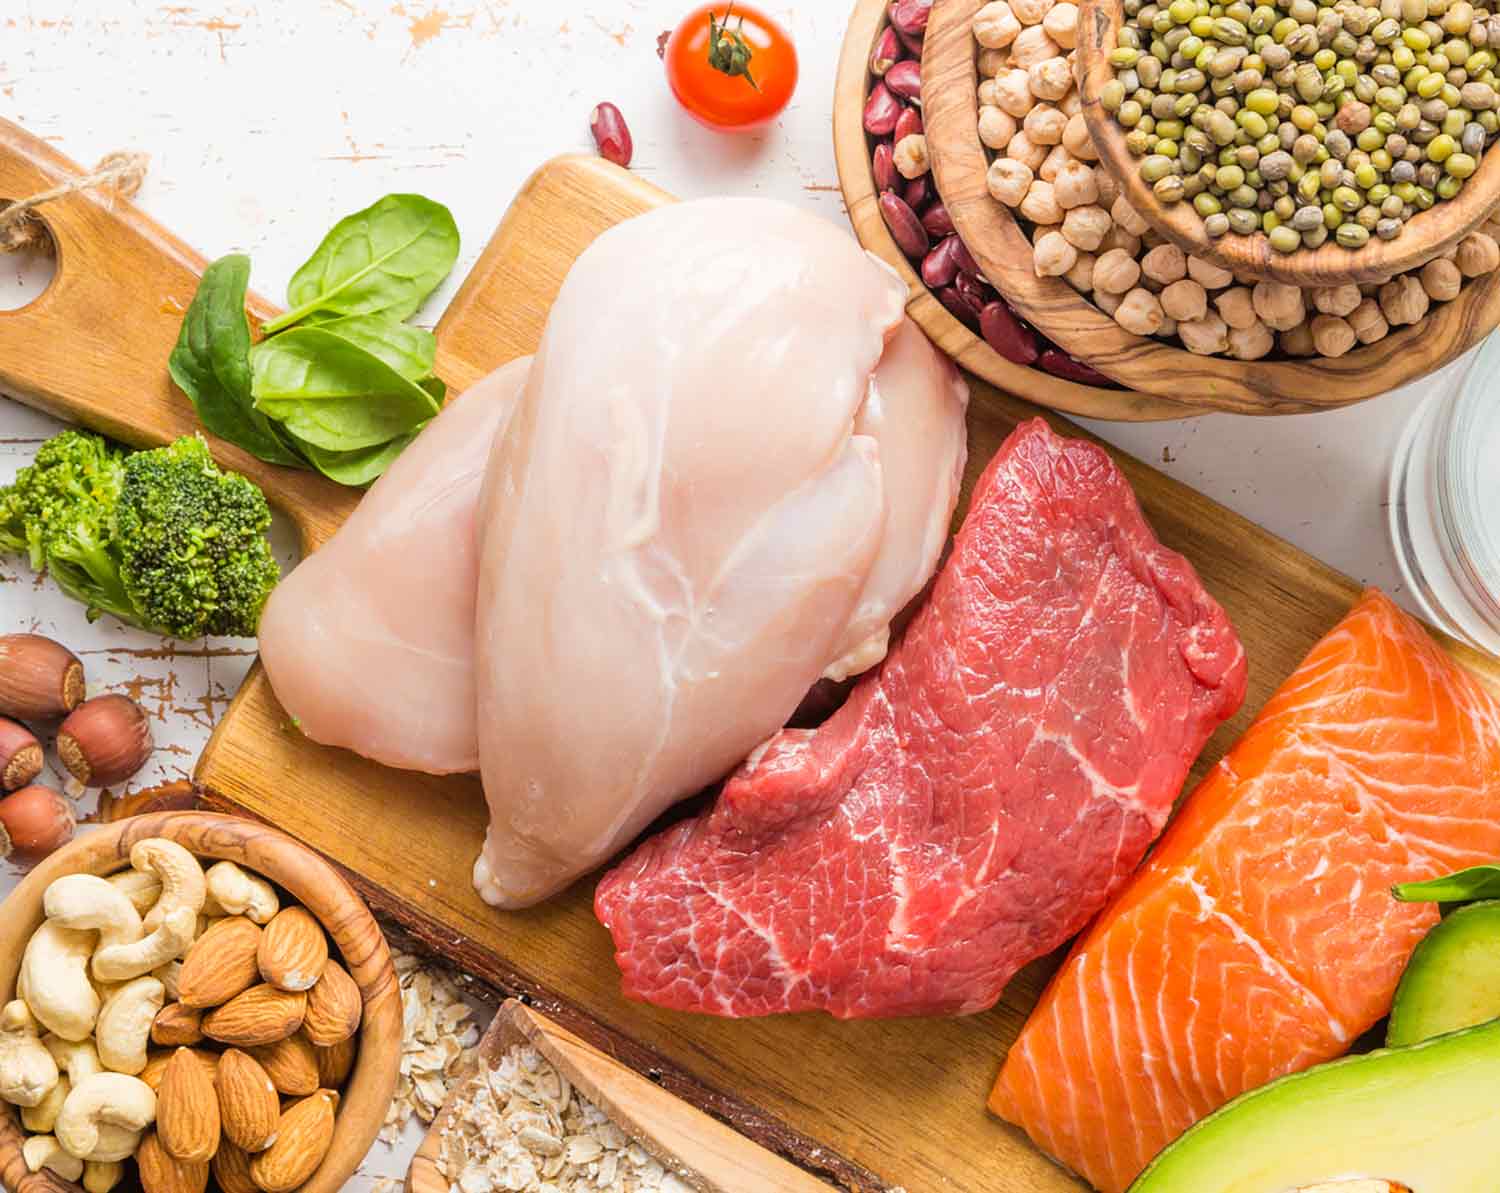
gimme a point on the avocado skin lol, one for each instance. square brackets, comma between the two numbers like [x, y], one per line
[1426, 1116]
[1453, 978]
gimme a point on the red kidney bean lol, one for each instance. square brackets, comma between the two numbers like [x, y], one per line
[905, 79]
[882, 110]
[611, 134]
[904, 225]
[908, 123]
[958, 306]
[918, 192]
[937, 221]
[887, 52]
[939, 267]
[1006, 334]
[1060, 364]
[964, 259]
[910, 16]
[975, 289]
[887, 178]
[911, 41]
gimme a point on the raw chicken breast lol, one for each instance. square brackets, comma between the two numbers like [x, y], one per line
[369, 643]
[687, 517]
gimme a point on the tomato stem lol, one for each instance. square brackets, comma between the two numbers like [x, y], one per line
[728, 51]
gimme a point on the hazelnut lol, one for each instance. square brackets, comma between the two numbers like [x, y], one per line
[105, 740]
[39, 678]
[20, 755]
[34, 820]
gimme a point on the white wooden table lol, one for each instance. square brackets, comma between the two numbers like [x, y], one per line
[267, 121]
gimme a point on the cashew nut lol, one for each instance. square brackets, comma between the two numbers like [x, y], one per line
[168, 975]
[86, 901]
[27, 1070]
[41, 1118]
[125, 1024]
[104, 1100]
[43, 1151]
[100, 1176]
[54, 976]
[182, 881]
[239, 893]
[79, 1059]
[142, 890]
[170, 925]
[115, 1143]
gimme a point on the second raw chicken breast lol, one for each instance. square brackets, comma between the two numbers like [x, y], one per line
[713, 491]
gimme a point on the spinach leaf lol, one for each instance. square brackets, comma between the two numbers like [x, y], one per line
[1467, 886]
[409, 350]
[361, 467]
[331, 393]
[211, 363]
[384, 260]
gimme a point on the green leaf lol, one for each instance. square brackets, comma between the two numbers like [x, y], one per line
[384, 260]
[1467, 886]
[332, 394]
[409, 350]
[436, 388]
[211, 363]
[361, 467]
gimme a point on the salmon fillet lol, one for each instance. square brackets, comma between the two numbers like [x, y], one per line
[1261, 937]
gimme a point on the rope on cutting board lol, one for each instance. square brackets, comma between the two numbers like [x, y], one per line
[120, 173]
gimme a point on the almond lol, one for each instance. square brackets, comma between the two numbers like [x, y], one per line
[248, 1105]
[164, 1173]
[293, 950]
[220, 964]
[334, 1006]
[261, 1015]
[187, 1112]
[302, 1140]
[231, 1168]
[335, 1062]
[156, 1065]
[291, 1064]
[176, 1025]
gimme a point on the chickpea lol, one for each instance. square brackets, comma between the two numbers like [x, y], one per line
[1076, 139]
[988, 96]
[1278, 304]
[1336, 300]
[1332, 336]
[1403, 300]
[1072, 103]
[1040, 205]
[1031, 12]
[910, 156]
[1061, 24]
[1168, 327]
[1368, 322]
[1116, 272]
[1075, 186]
[996, 127]
[1251, 343]
[1044, 124]
[1023, 149]
[1478, 254]
[1118, 238]
[1013, 93]
[1140, 313]
[1298, 341]
[1052, 255]
[1032, 45]
[1081, 276]
[1128, 217]
[1106, 301]
[1186, 301]
[996, 25]
[1442, 280]
[1085, 226]
[1151, 237]
[992, 62]
[1051, 78]
[1008, 181]
[1109, 189]
[1206, 335]
[1236, 308]
[1166, 263]
[1052, 165]
[1208, 275]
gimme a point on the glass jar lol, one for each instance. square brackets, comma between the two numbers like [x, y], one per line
[1445, 504]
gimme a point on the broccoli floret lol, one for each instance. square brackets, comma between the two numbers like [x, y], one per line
[160, 539]
[194, 554]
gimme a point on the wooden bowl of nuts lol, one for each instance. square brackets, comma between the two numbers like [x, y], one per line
[191, 995]
[1099, 280]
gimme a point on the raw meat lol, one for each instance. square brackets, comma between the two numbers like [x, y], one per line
[688, 514]
[1261, 937]
[369, 643]
[977, 799]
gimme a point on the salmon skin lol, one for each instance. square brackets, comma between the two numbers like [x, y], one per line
[1262, 938]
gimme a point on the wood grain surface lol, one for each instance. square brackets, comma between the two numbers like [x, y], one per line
[1271, 386]
[1425, 235]
[899, 1102]
[686, 1141]
[310, 881]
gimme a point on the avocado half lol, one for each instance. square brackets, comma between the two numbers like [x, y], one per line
[1427, 1117]
[1452, 980]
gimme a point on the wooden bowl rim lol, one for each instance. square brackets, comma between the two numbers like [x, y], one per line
[305, 876]
[1262, 387]
[1426, 235]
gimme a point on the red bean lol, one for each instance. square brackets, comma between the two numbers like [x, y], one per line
[910, 16]
[918, 192]
[1006, 334]
[905, 227]
[611, 134]
[939, 267]
[937, 221]
[964, 259]
[975, 289]
[1060, 364]
[908, 123]
[882, 110]
[887, 178]
[887, 52]
[905, 79]
[911, 41]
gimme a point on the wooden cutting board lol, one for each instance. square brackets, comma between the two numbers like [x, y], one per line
[868, 1104]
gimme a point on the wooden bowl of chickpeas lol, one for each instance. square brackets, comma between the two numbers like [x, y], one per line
[1050, 228]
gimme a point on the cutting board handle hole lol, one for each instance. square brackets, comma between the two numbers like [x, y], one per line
[26, 273]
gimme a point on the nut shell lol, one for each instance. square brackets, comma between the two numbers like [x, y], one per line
[261, 1015]
[293, 950]
[40, 679]
[20, 755]
[291, 1064]
[162, 1172]
[187, 1110]
[248, 1105]
[220, 964]
[105, 740]
[334, 1006]
[302, 1140]
[35, 820]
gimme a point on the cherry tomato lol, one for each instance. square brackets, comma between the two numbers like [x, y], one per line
[731, 66]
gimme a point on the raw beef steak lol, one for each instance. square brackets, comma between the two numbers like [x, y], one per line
[977, 799]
